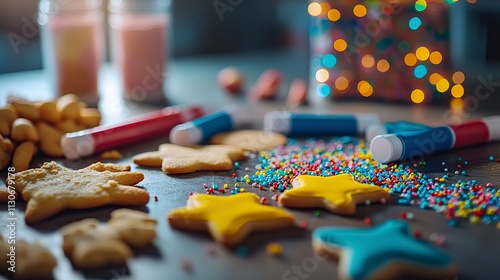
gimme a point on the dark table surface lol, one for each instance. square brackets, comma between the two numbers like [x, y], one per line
[473, 246]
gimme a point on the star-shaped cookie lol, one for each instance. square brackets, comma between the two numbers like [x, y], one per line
[229, 219]
[53, 188]
[387, 251]
[339, 194]
[250, 140]
[174, 159]
[32, 260]
[90, 245]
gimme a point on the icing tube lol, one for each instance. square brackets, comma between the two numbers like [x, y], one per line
[418, 144]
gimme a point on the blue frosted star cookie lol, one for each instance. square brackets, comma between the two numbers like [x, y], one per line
[386, 251]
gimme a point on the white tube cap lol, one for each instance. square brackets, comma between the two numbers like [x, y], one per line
[366, 120]
[386, 148]
[276, 121]
[75, 145]
[493, 124]
[373, 131]
[186, 134]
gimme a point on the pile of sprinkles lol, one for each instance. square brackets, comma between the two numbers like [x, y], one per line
[466, 199]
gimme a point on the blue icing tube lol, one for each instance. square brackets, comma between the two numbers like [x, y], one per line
[392, 127]
[318, 124]
[213, 124]
[200, 130]
[413, 145]
[394, 243]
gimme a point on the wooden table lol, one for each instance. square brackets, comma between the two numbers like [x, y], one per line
[192, 80]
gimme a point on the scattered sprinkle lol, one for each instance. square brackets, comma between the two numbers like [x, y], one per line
[349, 155]
[263, 200]
[305, 224]
[156, 198]
[186, 264]
[367, 220]
[274, 249]
[317, 213]
[210, 249]
[241, 251]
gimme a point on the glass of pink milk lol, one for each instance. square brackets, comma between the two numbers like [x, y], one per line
[139, 30]
[72, 44]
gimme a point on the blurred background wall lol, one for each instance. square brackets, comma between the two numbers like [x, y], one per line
[199, 27]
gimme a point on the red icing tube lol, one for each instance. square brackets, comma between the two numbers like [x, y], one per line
[90, 141]
[470, 133]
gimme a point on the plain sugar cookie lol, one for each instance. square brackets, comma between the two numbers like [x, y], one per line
[250, 140]
[174, 159]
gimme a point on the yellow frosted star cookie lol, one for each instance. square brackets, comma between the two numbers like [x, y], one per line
[174, 159]
[229, 219]
[339, 194]
[53, 188]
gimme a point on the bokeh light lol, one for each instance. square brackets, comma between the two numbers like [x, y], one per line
[340, 45]
[322, 75]
[457, 91]
[420, 71]
[420, 5]
[359, 10]
[341, 83]
[436, 57]
[414, 23]
[383, 65]
[435, 78]
[458, 77]
[323, 90]
[368, 61]
[404, 46]
[422, 53]
[329, 60]
[325, 8]
[334, 15]
[410, 59]
[365, 89]
[314, 9]
[424, 57]
[443, 85]
[417, 96]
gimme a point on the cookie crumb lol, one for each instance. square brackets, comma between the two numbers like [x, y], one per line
[112, 155]
[186, 265]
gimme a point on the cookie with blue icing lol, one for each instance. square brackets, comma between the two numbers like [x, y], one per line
[386, 251]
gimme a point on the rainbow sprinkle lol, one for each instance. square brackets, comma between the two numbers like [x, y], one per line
[465, 199]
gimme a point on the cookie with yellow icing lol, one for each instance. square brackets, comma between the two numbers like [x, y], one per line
[339, 194]
[229, 219]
